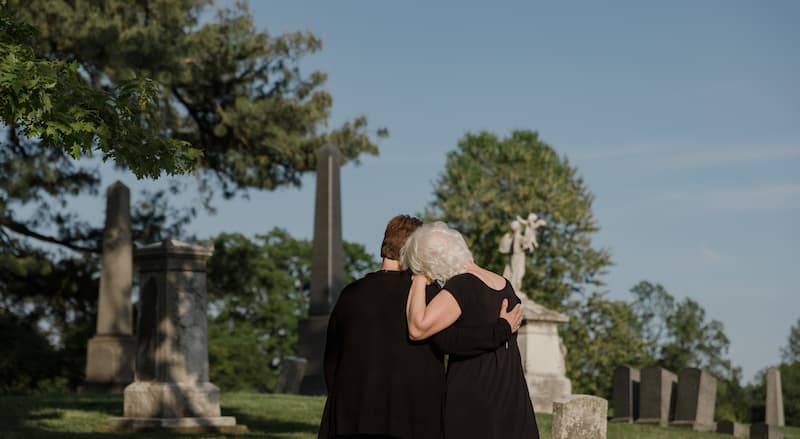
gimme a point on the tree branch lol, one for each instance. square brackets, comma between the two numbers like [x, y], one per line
[24, 230]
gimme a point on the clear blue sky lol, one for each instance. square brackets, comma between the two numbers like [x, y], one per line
[683, 117]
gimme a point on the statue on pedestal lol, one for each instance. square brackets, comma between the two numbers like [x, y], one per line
[541, 348]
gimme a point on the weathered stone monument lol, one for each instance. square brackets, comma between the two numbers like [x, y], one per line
[291, 376]
[657, 396]
[580, 417]
[626, 394]
[765, 431]
[774, 403]
[172, 390]
[327, 269]
[540, 346]
[697, 396]
[110, 353]
[733, 428]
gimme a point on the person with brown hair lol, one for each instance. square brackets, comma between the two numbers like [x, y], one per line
[380, 383]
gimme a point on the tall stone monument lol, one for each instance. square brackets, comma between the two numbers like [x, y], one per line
[540, 346]
[774, 406]
[327, 269]
[696, 400]
[626, 394]
[657, 396]
[110, 353]
[172, 390]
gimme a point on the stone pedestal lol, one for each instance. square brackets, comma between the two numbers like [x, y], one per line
[626, 394]
[657, 396]
[109, 362]
[765, 431]
[580, 417]
[110, 354]
[312, 332]
[172, 390]
[734, 429]
[697, 396]
[774, 403]
[543, 355]
[292, 371]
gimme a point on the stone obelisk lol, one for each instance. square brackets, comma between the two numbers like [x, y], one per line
[774, 406]
[327, 268]
[110, 353]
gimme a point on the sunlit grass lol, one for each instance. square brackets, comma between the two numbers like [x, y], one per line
[266, 416]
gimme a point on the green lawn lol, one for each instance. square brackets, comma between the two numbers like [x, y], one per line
[266, 416]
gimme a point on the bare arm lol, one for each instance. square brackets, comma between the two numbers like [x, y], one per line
[424, 321]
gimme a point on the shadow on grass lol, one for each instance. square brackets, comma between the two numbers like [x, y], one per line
[265, 427]
[79, 417]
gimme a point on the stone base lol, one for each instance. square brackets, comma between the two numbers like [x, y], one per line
[217, 424]
[624, 420]
[765, 431]
[733, 428]
[171, 400]
[110, 361]
[311, 346]
[696, 426]
[544, 389]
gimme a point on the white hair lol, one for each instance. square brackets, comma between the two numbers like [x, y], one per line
[436, 251]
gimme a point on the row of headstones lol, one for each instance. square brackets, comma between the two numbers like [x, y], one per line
[657, 396]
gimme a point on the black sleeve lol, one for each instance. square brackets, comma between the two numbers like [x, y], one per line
[472, 340]
[331, 358]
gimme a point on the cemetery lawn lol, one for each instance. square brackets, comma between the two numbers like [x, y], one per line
[267, 416]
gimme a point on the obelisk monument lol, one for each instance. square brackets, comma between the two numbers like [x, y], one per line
[110, 353]
[327, 268]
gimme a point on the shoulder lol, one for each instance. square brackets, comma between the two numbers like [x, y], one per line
[460, 284]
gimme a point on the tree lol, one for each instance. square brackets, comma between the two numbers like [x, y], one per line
[791, 353]
[226, 88]
[678, 335]
[488, 181]
[601, 335]
[258, 291]
[48, 100]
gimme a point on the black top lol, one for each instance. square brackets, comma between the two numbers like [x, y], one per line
[487, 396]
[379, 381]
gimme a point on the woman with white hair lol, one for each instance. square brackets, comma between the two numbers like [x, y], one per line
[487, 396]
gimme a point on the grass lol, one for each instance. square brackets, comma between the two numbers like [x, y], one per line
[266, 416]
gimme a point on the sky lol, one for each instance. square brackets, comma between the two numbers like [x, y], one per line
[683, 118]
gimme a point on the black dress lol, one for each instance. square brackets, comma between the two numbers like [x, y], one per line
[487, 396]
[380, 383]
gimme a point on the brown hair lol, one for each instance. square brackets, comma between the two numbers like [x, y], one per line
[397, 231]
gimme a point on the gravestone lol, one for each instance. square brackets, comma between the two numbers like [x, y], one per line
[172, 390]
[292, 371]
[657, 396]
[626, 394]
[774, 403]
[733, 428]
[579, 417]
[327, 269]
[110, 353]
[697, 396]
[765, 431]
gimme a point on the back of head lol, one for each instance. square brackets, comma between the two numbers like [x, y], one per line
[436, 251]
[397, 232]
